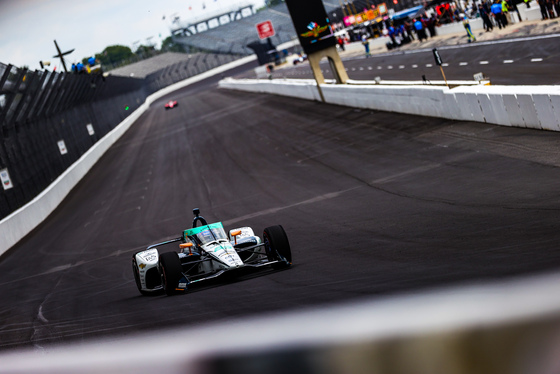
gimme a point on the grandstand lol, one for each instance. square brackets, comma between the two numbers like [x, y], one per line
[231, 31]
[191, 63]
[233, 37]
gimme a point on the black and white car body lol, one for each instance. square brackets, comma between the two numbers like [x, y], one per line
[206, 252]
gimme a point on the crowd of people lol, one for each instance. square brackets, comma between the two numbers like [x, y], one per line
[549, 8]
[418, 28]
[494, 13]
[497, 13]
[80, 68]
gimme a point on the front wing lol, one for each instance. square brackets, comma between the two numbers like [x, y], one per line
[259, 259]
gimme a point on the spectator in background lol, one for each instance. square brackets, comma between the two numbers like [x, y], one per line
[80, 68]
[513, 7]
[485, 18]
[544, 12]
[392, 35]
[496, 10]
[466, 24]
[420, 31]
[486, 4]
[341, 43]
[505, 11]
[549, 8]
[557, 7]
[408, 30]
[404, 35]
[457, 15]
[365, 43]
[431, 25]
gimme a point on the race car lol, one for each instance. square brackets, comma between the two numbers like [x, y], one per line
[171, 104]
[299, 59]
[206, 252]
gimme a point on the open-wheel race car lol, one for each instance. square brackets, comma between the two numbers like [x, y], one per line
[206, 252]
[171, 104]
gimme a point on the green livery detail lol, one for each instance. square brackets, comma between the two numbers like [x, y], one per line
[198, 230]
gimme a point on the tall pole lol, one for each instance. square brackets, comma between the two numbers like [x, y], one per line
[61, 55]
[445, 79]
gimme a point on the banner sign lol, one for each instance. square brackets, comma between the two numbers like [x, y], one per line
[5, 178]
[312, 25]
[265, 30]
[374, 15]
[62, 147]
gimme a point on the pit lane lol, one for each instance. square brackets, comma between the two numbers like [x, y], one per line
[373, 203]
[516, 61]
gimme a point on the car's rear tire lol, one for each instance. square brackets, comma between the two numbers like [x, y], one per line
[136, 273]
[170, 266]
[277, 246]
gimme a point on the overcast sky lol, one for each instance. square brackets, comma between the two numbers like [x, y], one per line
[28, 27]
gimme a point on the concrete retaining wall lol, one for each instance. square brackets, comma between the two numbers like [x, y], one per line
[492, 328]
[536, 107]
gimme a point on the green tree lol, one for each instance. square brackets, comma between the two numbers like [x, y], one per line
[114, 54]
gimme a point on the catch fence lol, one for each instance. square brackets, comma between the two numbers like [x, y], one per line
[49, 120]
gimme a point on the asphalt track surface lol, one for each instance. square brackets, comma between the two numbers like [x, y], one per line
[520, 61]
[373, 203]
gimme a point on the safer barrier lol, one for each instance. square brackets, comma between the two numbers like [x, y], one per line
[536, 107]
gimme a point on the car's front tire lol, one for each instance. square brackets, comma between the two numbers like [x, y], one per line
[170, 266]
[277, 246]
